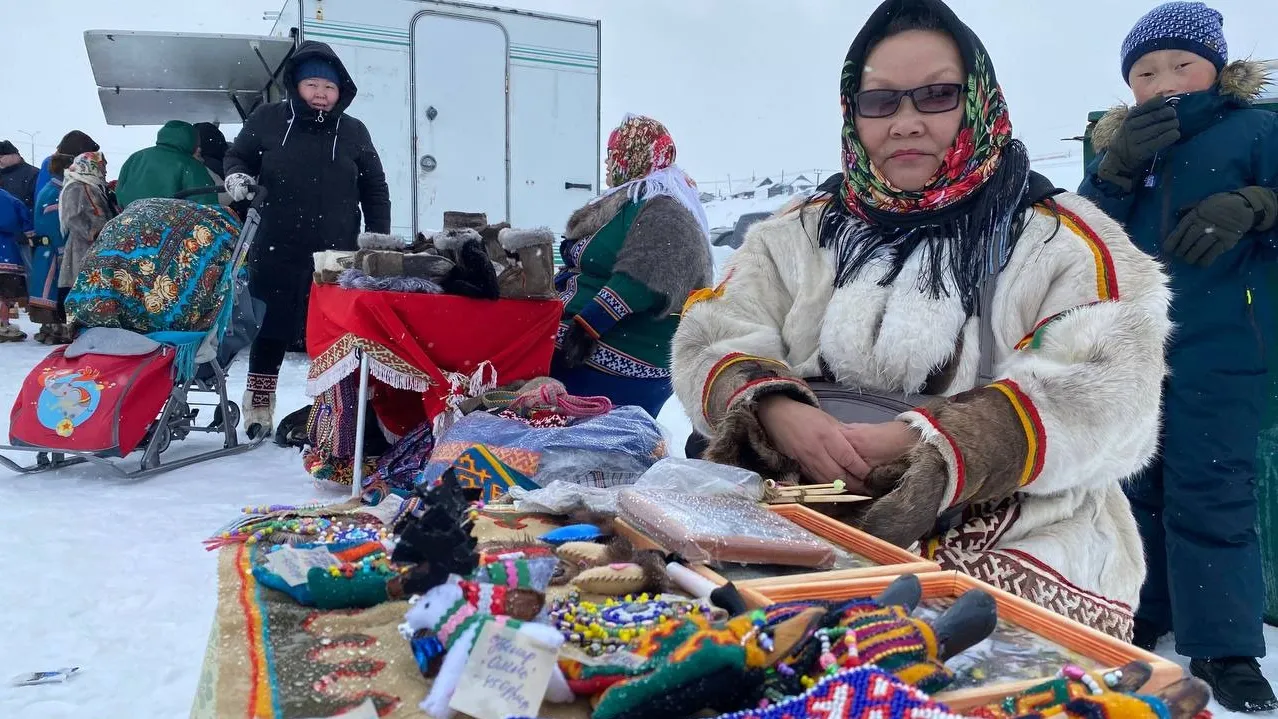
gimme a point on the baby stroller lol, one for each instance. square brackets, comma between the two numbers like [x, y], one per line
[114, 390]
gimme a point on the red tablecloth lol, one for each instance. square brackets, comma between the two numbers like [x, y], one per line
[414, 341]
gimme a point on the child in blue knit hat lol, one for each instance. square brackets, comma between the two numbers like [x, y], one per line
[1191, 172]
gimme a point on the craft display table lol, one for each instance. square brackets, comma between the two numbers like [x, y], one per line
[422, 347]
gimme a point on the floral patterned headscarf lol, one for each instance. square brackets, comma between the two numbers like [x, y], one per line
[637, 148]
[971, 160]
[962, 218]
[89, 168]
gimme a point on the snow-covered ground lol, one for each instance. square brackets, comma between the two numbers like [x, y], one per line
[110, 576]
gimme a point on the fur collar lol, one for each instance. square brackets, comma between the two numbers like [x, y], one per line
[1241, 79]
[592, 218]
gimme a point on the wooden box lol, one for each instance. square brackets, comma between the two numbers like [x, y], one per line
[1102, 650]
[886, 559]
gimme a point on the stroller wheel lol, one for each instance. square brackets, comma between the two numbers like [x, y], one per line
[232, 414]
[166, 439]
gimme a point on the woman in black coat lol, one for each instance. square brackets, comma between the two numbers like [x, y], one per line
[320, 169]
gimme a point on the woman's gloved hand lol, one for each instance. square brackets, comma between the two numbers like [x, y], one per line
[238, 185]
[577, 346]
[1148, 129]
[1215, 225]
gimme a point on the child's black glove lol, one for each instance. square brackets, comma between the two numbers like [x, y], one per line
[577, 347]
[1215, 225]
[1149, 128]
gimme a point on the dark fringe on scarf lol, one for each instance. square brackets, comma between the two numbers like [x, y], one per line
[967, 242]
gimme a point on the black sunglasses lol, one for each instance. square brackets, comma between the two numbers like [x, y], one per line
[930, 99]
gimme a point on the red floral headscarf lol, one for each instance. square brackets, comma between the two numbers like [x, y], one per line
[637, 148]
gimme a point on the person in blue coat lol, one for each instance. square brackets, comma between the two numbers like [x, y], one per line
[1191, 172]
[15, 228]
[45, 303]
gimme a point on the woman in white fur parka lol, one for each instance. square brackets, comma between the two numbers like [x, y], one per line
[873, 292]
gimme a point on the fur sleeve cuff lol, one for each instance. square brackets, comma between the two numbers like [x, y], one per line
[991, 438]
[730, 400]
[739, 377]
[454, 239]
[739, 438]
[513, 240]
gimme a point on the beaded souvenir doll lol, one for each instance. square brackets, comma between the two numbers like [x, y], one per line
[456, 611]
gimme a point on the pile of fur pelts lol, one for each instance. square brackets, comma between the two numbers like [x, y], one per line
[469, 257]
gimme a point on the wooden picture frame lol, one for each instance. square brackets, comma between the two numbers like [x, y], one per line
[889, 559]
[1109, 652]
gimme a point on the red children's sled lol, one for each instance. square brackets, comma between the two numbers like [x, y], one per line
[114, 391]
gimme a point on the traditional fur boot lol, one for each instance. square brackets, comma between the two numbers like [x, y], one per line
[492, 245]
[534, 276]
[329, 264]
[402, 264]
[459, 227]
[258, 407]
[379, 241]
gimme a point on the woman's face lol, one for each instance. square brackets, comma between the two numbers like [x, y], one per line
[318, 93]
[909, 146]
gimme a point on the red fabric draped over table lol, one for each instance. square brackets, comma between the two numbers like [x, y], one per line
[414, 341]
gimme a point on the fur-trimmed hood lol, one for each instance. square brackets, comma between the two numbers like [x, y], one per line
[1241, 79]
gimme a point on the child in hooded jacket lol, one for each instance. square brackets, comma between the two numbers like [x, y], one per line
[1191, 172]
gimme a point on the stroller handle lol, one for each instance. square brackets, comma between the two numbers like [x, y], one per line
[257, 190]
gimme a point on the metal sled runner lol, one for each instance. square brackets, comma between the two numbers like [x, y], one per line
[179, 414]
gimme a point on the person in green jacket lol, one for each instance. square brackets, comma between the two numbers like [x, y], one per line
[632, 256]
[166, 169]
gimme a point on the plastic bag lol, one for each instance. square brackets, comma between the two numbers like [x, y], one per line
[609, 450]
[721, 529]
[690, 476]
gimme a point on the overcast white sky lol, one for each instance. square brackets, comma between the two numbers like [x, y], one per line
[746, 86]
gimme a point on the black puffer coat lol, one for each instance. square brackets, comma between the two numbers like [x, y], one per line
[320, 169]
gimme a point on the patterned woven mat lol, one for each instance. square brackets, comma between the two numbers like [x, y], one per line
[271, 658]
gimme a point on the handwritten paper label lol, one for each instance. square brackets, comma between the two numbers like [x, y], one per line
[624, 659]
[292, 564]
[507, 674]
[386, 511]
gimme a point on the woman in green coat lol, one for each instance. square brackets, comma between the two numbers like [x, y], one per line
[631, 258]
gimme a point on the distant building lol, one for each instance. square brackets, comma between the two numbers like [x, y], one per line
[802, 184]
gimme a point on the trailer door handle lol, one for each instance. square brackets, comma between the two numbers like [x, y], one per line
[578, 186]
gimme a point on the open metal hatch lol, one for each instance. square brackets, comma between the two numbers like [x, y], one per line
[149, 78]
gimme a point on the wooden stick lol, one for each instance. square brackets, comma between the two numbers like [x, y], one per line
[789, 491]
[771, 484]
[819, 498]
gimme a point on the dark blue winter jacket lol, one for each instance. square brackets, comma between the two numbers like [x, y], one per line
[1221, 311]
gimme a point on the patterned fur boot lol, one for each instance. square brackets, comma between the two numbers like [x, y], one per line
[258, 407]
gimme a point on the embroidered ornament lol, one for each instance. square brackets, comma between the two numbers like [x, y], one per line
[616, 624]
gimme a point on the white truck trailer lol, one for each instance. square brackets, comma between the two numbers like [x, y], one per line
[473, 108]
